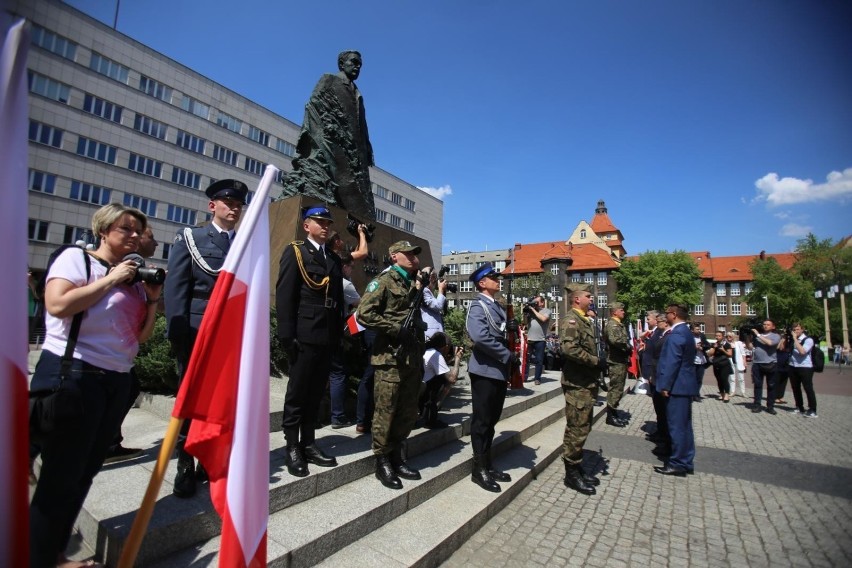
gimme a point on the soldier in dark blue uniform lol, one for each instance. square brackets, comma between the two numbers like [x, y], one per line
[310, 307]
[194, 263]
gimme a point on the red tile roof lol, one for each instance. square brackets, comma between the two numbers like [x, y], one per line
[601, 223]
[733, 268]
[528, 257]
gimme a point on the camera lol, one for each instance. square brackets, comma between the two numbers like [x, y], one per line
[452, 287]
[352, 227]
[144, 273]
[749, 325]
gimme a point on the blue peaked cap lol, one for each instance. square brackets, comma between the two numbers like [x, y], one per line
[482, 272]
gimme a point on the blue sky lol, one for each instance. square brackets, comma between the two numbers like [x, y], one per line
[721, 125]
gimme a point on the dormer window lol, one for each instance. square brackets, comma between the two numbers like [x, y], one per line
[582, 233]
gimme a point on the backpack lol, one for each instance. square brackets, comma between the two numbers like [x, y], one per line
[42, 282]
[817, 358]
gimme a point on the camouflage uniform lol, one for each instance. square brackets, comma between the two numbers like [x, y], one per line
[577, 337]
[383, 308]
[618, 348]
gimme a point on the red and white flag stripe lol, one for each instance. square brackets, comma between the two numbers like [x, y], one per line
[226, 389]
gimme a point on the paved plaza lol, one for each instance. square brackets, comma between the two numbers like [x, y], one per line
[767, 491]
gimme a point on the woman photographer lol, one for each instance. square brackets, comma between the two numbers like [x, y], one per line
[119, 314]
[720, 354]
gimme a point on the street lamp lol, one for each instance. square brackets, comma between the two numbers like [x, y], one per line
[766, 300]
[556, 301]
[831, 293]
[818, 294]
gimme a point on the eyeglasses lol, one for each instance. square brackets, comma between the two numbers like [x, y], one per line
[126, 230]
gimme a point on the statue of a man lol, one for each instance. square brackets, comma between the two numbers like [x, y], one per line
[334, 151]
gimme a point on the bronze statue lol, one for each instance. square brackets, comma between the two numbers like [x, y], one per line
[333, 153]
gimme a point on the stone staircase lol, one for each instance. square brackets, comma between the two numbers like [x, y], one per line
[335, 516]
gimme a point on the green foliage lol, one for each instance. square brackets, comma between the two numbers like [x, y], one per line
[155, 365]
[656, 279]
[454, 325]
[278, 364]
[825, 263]
[791, 297]
[527, 286]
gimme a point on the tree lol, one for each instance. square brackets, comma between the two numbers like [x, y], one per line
[825, 263]
[657, 279]
[790, 297]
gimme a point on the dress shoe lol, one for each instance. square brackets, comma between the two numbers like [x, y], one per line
[201, 474]
[481, 476]
[119, 453]
[495, 473]
[386, 474]
[316, 456]
[771, 411]
[184, 486]
[756, 409]
[613, 420]
[574, 480]
[361, 428]
[668, 470]
[401, 467]
[342, 424]
[589, 478]
[295, 460]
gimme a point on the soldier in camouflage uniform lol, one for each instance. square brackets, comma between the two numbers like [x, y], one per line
[618, 349]
[397, 359]
[582, 366]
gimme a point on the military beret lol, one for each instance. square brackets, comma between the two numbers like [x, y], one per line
[616, 306]
[227, 188]
[481, 272]
[573, 287]
[316, 212]
[403, 246]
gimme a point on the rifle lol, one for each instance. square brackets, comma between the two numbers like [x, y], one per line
[599, 378]
[516, 378]
[411, 319]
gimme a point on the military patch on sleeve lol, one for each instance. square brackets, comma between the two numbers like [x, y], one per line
[371, 287]
[178, 238]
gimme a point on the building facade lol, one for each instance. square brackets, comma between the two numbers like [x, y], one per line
[112, 120]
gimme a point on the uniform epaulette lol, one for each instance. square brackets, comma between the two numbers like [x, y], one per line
[297, 243]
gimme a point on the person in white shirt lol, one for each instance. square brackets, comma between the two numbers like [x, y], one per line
[438, 376]
[738, 366]
[802, 372]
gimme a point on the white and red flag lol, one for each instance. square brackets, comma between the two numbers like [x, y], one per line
[225, 390]
[353, 325]
[14, 518]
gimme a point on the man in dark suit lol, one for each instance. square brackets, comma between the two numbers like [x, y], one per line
[195, 259]
[677, 384]
[310, 308]
[489, 368]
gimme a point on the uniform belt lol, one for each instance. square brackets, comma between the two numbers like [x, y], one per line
[329, 303]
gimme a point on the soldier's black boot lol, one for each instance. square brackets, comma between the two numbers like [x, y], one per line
[386, 474]
[316, 456]
[574, 480]
[185, 479]
[612, 418]
[496, 474]
[294, 457]
[480, 474]
[401, 467]
[588, 478]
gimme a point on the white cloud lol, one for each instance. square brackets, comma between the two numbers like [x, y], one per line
[439, 192]
[786, 191]
[795, 230]
[782, 215]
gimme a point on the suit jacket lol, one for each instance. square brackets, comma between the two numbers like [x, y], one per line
[490, 357]
[676, 366]
[309, 315]
[187, 288]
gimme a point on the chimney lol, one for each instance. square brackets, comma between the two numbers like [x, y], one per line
[763, 255]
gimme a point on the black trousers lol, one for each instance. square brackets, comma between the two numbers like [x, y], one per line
[308, 379]
[803, 377]
[488, 397]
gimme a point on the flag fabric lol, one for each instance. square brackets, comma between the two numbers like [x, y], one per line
[633, 369]
[353, 325]
[225, 390]
[14, 111]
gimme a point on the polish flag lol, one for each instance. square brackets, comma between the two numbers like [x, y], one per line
[353, 325]
[633, 369]
[226, 389]
[14, 429]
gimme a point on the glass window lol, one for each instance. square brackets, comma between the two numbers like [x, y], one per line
[396, 199]
[224, 155]
[90, 193]
[149, 126]
[145, 166]
[603, 301]
[381, 216]
[195, 107]
[453, 269]
[41, 181]
[554, 269]
[748, 288]
[53, 43]
[582, 233]
[227, 121]
[722, 309]
[500, 265]
[181, 215]
[589, 278]
[190, 142]
[395, 220]
[602, 277]
[698, 310]
[381, 191]
[465, 286]
[702, 327]
[735, 288]
[186, 177]
[576, 277]
[285, 148]
[38, 230]
[466, 303]
[108, 67]
[258, 135]
[96, 150]
[73, 234]
[750, 311]
[100, 107]
[408, 204]
[736, 309]
[47, 87]
[44, 134]
[720, 290]
[408, 226]
[167, 247]
[155, 89]
[254, 166]
[145, 205]
[466, 267]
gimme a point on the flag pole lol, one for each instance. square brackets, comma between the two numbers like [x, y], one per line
[146, 509]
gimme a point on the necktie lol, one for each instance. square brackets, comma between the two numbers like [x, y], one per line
[225, 240]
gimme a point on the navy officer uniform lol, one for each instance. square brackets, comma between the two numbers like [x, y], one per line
[310, 310]
[676, 382]
[195, 259]
[489, 367]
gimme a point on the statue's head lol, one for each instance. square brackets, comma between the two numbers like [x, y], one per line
[350, 63]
